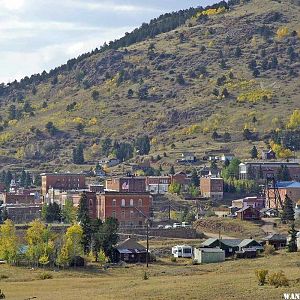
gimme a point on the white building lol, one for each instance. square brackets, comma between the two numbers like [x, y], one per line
[182, 251]
[208, 255]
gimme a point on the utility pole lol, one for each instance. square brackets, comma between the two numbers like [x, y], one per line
[147, 254]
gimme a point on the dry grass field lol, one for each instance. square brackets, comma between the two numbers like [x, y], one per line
[234, 279]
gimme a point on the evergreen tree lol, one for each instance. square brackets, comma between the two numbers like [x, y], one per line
[288, 213]
[8, 179]
[23, 178]
[78, 156]
[195, 178]
[292, 244]
[254, 152]
[28, 180]
[142, 144]
[106, 146]
[12, 112]
[172, 170]
[85, 222]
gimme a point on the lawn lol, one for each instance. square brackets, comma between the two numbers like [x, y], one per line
[181, 280]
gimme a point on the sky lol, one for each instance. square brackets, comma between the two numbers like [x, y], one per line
[37, 35]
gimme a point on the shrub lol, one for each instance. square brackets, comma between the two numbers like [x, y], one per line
[45, 275]
[145, 277]
[269, 250]
[2, 296]
[194, 262]
[173, 259]
[261, 276]
[278, 279]
[2, 276]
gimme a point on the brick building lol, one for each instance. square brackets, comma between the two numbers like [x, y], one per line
[211, 187]
[131, 209]
[158, 184]
[290, 188]
[182, 179]
[127, 184]
[11, 198]
[23, 213]
[255, 202]
[63, 181]
[261, 169]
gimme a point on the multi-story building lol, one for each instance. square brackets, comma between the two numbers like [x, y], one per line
[211, 187]
[255, 202]
[262, 169]
[131, 209]
[182, 179]
[11, 198]
[158, 184]
[62, 181]
[127, 184]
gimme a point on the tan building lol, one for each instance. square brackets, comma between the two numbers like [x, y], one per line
[211, 187]
[62, 181]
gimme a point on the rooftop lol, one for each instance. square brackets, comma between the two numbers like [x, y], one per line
[288, 184]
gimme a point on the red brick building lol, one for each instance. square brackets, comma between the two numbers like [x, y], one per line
[63, 182]
[182, 179]
[23, 213]
[127, 184]
[158, 184]
[211, 187]
[131, 209]
[92, 202]
[11, 198]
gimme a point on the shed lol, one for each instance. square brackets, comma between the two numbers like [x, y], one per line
[248, 213]
[208, 255]
[130, 251]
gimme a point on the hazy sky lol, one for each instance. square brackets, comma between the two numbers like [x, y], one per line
[37, 35]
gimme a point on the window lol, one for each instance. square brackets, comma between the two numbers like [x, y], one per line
[140, 203]
[131, 202]
[113, 214]
[131, 214]
[114, 202]
[123, 214]
[123, 203]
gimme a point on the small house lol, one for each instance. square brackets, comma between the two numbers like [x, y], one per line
[279, 241]
[230, 246]
[227, 156]
[268, 154]
[130, 251]
[248, 214]
[187, 157]
[246, 253]
[269, 212]
[250, 244]
[208, 255]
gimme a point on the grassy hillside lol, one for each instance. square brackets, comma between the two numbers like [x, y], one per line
[227, 71]
[229, 280]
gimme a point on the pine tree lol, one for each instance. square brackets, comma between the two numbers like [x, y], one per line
[254, 152]
[23, 178]
[85, 222]
[195, 178]
[292, 245]
[288, 213]
[172, 170]
[28, 180]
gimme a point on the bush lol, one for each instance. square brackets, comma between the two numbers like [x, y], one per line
[2, 276]
[2, 296]
[261, 276]
[45, 275]
[269, 250]
[194, 262]
[278, 279]
[145, 277]
[173, 259]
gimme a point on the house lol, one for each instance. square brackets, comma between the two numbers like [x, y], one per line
[130, 209]
[222, 211]
[208, 255]
[255, 202]
[211, 187]
[227, 156]
[246, 253]
[158, 184]
[230, 246]
[130, 251]
[247, 244]
[62, 181]
[268, 154]
[248, 214]
[279, 241]
[269, 212]
[187, 157]
[23, 213]
[262, 169]
[12, 198]
[127, 184]
[109, 162]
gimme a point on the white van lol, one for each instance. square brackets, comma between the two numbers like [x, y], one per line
[177, 225]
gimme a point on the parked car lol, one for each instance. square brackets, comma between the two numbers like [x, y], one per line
[186, 225]
[160, 226]
[168, 227]
[177, 225]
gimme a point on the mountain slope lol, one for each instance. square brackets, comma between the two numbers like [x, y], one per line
[222, 72]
